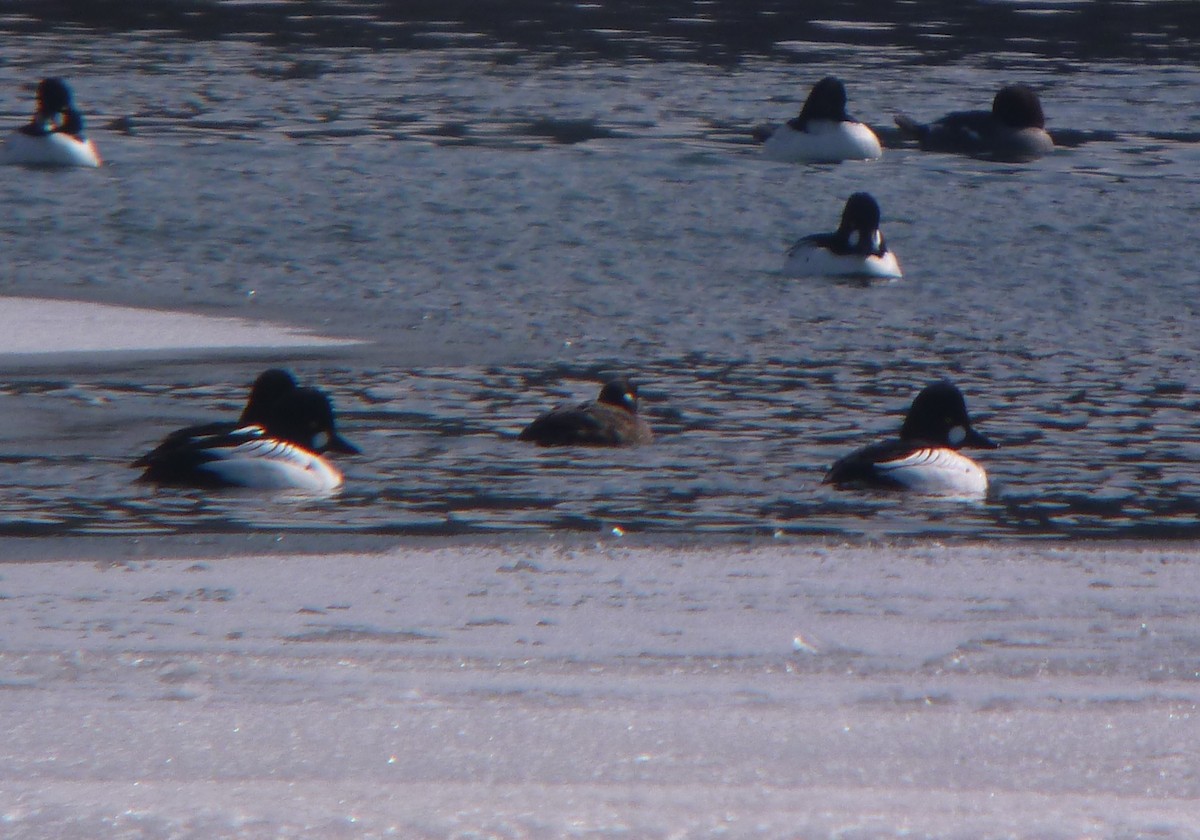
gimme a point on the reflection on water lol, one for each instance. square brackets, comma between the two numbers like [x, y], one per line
[511, 199]
[708, 31]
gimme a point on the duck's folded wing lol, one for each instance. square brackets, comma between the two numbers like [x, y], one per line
[814, 240]
[959, 131]
[848, 470]
[195, 445]
[565, 425]
[863, 466]
[192, 436]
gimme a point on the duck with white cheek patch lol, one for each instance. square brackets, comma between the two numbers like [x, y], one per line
[279, 443]
[856, 249]
[925, 457]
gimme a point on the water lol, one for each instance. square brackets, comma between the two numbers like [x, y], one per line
[510, 203]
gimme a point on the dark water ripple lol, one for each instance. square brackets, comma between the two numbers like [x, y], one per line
[509, 200]
[707, 31]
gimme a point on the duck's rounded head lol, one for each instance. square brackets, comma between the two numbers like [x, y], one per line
[1018, 106]
[826, 101]
[939, 415]
[860, 213]
[859, 231]
[620, 392]
[270, 386]
[305, 417]
[53, 95]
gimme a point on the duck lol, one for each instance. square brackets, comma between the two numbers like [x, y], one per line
[925, 458]
[856, 249]
[46, 140]
[1014, 131]
[823, 132]
[609, 420]
[278, 443]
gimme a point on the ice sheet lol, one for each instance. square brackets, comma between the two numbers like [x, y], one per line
[563, 690]
[39, 326]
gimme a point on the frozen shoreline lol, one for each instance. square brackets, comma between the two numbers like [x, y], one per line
[36, 328]
[556, 689]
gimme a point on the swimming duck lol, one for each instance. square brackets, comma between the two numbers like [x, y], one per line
[280, 447]
[609, 420]
[856, 249]
[47, 141]
[924, 458]
[823, 132]
[1014, 131]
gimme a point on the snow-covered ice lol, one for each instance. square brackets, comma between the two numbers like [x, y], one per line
[541, 690]
[36, 326]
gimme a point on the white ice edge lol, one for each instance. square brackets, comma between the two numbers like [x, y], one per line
[42, 326]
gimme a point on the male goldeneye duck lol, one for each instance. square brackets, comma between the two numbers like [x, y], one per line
[1014, 131]
[280, 450]
[609, 420]
[856, 249]
[55, 135]
[823, 132]
[925, 458]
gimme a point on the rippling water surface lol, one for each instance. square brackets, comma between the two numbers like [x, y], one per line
[508, 201]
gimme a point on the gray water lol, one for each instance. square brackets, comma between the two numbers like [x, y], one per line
[509, 201]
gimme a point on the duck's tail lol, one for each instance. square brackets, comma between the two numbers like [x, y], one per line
[910, 129]
[761, 133]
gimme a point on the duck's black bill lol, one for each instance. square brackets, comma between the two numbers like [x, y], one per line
[337, 443]
[978, 441]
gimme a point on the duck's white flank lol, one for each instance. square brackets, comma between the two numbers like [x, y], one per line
[810, 259]
[268, 464]
[57, 149]
[937, 471]
[823, 141]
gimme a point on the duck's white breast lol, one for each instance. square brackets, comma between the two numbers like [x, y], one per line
[824, 141]
[56, 149]
[939, 472]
